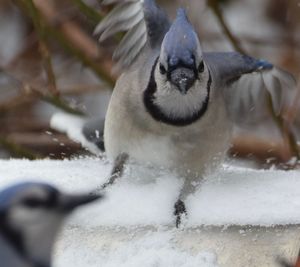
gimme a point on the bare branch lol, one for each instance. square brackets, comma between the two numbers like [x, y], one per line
[214, 5]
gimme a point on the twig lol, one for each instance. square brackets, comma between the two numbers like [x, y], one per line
[49, 69]
[54, 100]
[285, 128]
[283, 125]
[43, 47]
[262, 41]
[28, 93]
[17, 150]
[75, 41]
[214, 5]
[61, 104]
[291, 113]
[89, 12]
[246, 146]
[98, 70]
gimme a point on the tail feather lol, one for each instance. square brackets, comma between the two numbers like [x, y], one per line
[87, 132]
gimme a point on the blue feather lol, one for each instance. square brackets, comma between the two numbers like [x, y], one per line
[181, 41]
[263, 64]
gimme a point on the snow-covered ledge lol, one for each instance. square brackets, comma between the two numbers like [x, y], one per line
[238, 217]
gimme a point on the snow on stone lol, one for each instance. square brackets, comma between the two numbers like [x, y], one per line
[150, 249]
[232, 196]
[134, 225]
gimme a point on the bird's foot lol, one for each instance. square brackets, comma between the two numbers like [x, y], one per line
[180, 212]
[116, 173]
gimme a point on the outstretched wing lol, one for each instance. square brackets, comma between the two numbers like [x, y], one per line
[144, 22]
[249, 84]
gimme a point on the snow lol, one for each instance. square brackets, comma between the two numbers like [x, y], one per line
[72, 125]
[232, 196]
[153, 249]
[134, 224]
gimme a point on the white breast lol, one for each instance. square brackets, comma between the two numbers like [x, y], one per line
[188, 149]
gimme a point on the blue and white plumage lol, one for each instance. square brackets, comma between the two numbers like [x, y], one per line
[168, 65]
[174, 104]
[181, 43]
[31, 215]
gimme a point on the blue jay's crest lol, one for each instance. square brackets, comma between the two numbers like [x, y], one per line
[263, 64]
[181, 43]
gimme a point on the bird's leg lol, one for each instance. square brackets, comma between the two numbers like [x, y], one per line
[179, 211]
[117, 170]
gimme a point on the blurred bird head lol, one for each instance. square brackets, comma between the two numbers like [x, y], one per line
[181, 56]
[31, 215]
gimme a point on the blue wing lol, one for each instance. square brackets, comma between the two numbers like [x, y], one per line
[229, 66]
[248, 84]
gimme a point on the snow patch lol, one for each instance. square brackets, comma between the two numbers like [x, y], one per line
[134, 225]
[150, 249]
[231, 196]
[72, 125]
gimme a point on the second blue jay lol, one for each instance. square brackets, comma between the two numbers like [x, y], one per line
[31, 215]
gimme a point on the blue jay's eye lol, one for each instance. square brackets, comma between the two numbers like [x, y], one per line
[162, 69]
[32, 202]
[201, 67]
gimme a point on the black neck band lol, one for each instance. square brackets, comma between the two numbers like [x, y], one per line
[14, 238]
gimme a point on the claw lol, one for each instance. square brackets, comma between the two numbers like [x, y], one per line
[180, 210]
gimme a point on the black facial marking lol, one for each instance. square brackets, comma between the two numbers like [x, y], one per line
[12, 236]
[33, 202]
[201, 67]
[52, 200]
[49, 202]
[156, 112]
[162, 69]
[37, 264]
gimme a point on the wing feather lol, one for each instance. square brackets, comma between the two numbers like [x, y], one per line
[248, 84]
[252, 92]
[143, 21]
[120, 14]
[129, 57]
[121, 26]
[130, 40]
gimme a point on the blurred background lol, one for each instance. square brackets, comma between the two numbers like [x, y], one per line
[50, 61]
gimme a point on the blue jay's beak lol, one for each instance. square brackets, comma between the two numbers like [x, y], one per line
[68, 203]
[183, 78]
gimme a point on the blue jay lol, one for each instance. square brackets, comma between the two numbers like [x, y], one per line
[174, 104]
[31, 215]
